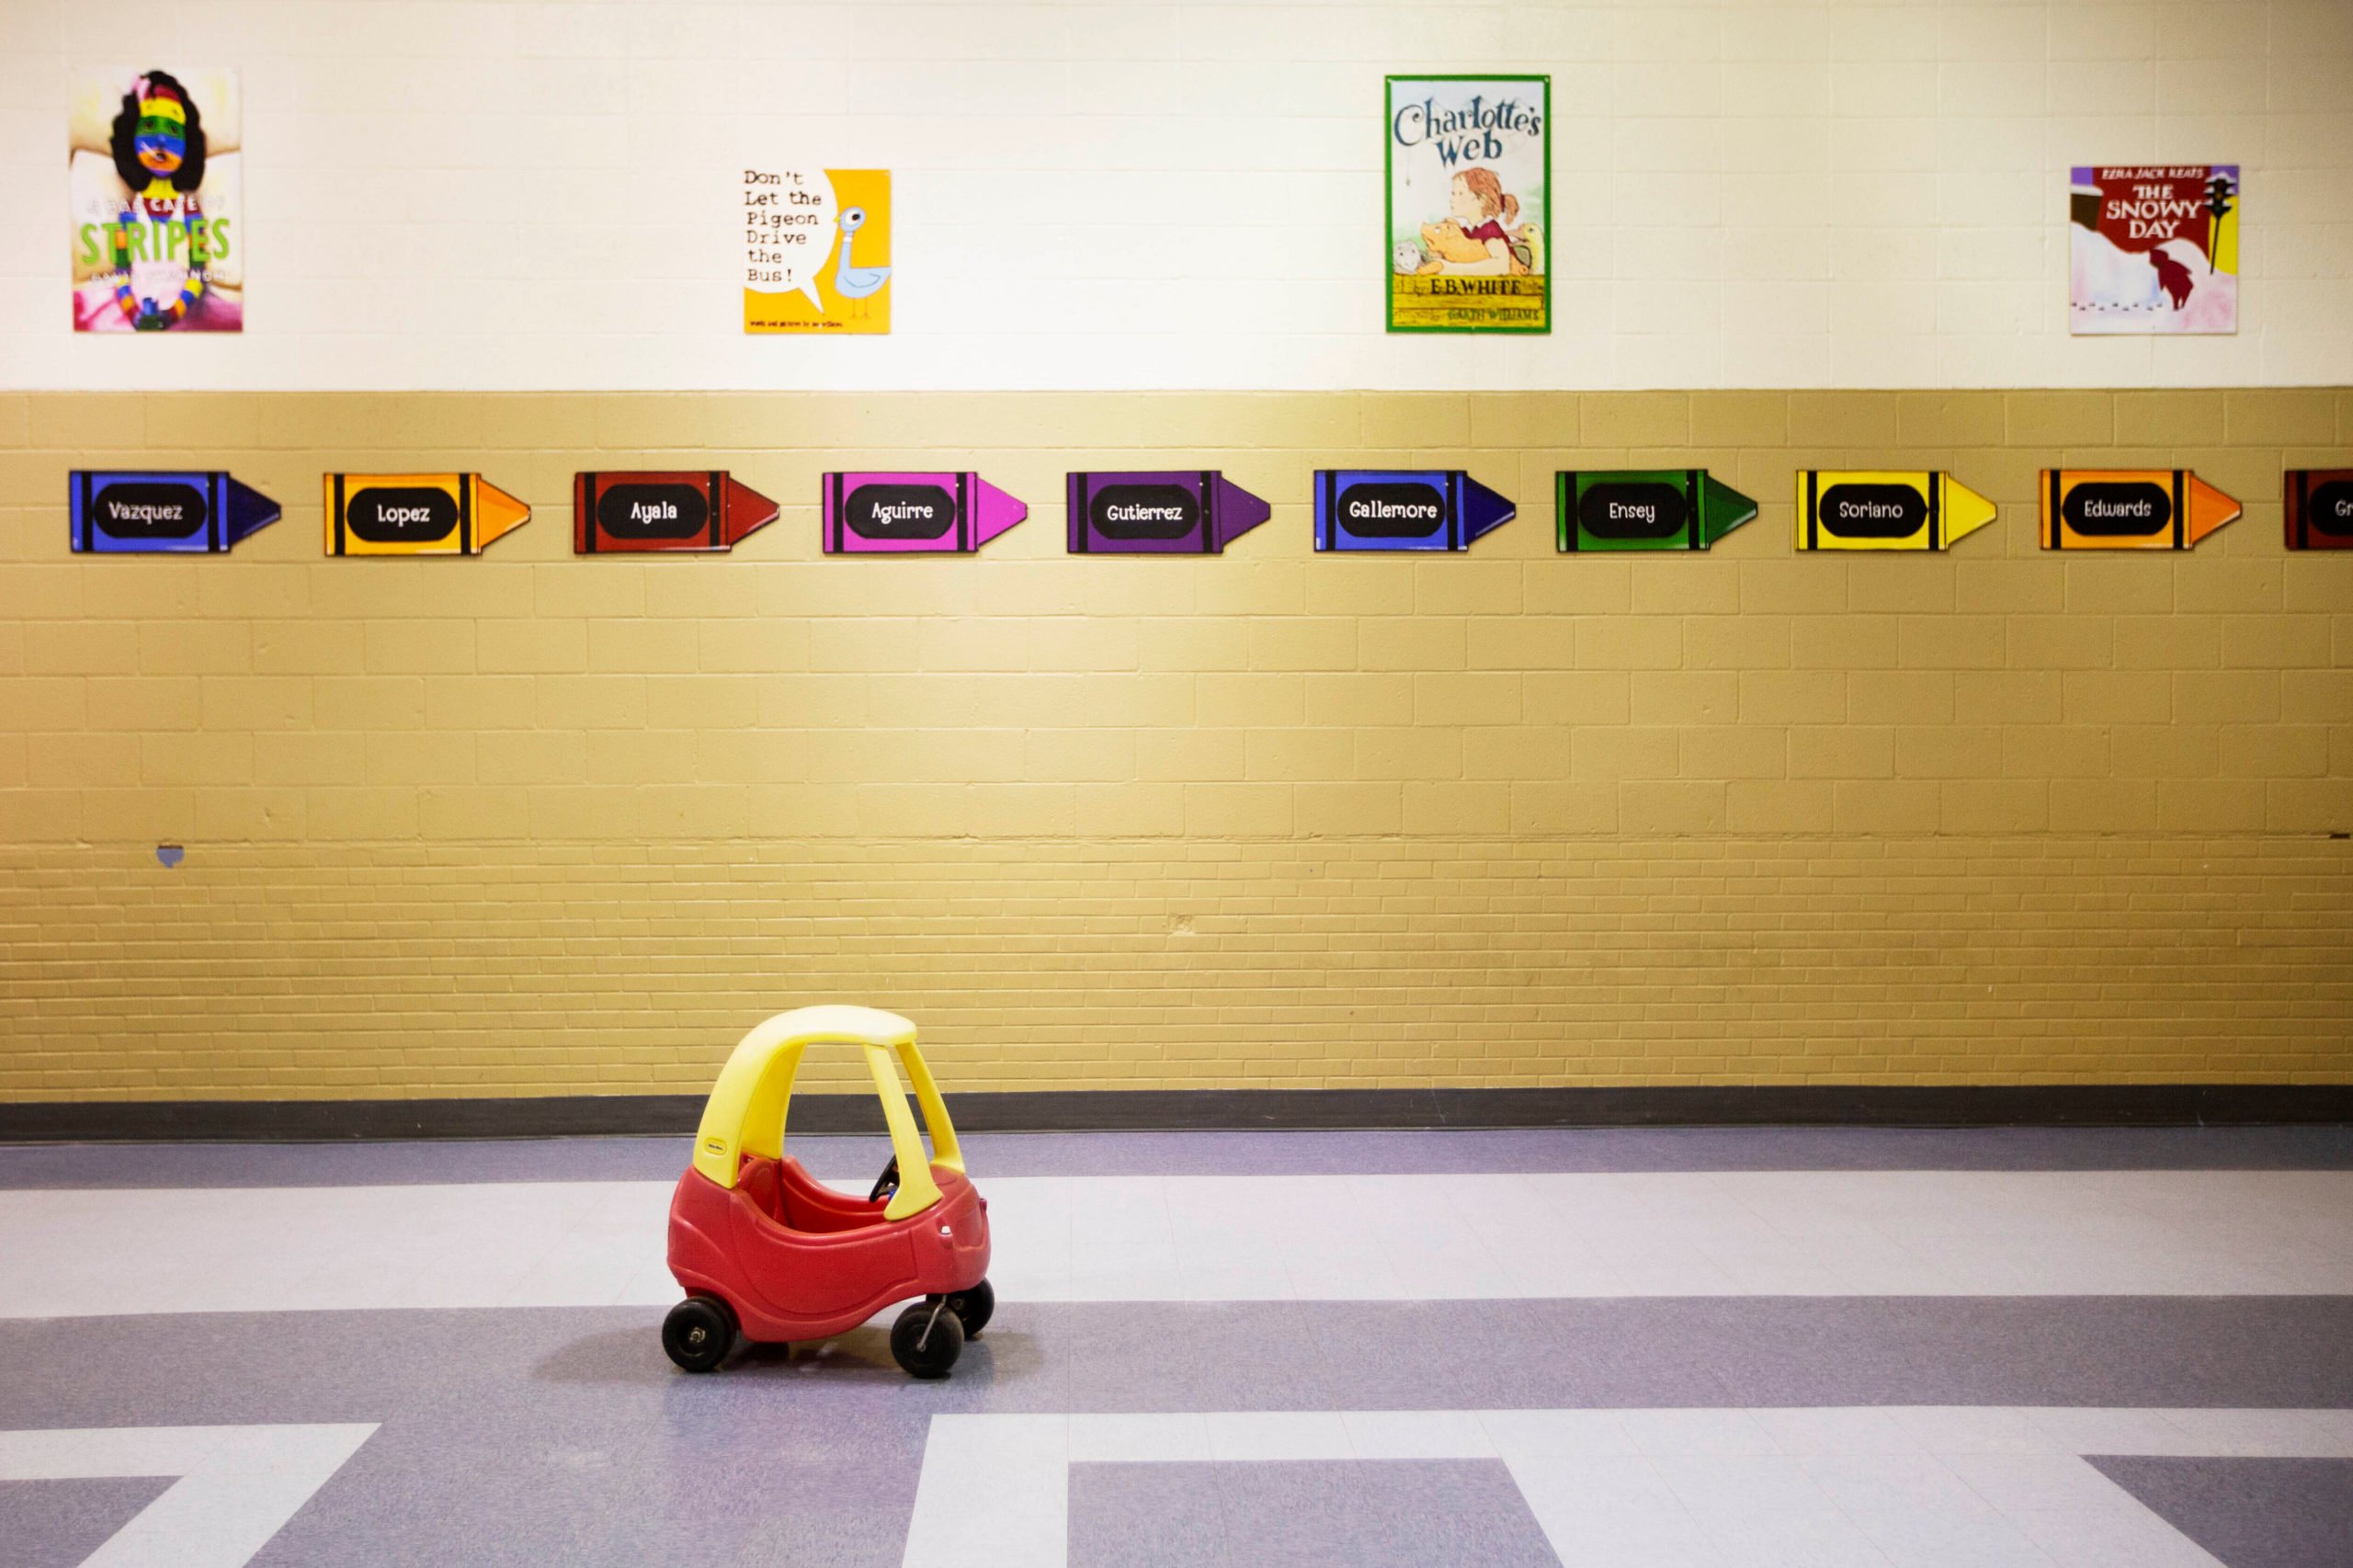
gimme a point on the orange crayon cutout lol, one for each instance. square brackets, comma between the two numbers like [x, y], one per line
[416, 513]
[2130, 508]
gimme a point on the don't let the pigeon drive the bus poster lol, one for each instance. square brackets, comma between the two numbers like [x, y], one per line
[1470, 165]
[2153, 248]
[816, 249]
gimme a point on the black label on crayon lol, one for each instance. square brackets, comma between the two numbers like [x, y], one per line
[400, 515]
[1872, 511]
[1393, 510]
[150, 509]
[1632, 509]
[899, 511]
[1144, 511]
[2116, 507]
[2329, 509]
[654, 511]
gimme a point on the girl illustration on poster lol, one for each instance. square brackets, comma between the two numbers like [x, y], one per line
[1480, 236]
[153, 177]
[1469, 169]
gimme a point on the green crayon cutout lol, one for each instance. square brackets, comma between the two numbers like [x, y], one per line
[1646, 508]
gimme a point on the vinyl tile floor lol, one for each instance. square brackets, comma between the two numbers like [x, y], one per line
[1704, 1346]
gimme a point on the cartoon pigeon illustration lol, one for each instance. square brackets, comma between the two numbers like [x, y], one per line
[855, 282]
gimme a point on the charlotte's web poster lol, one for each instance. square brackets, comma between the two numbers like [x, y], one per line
[1470, 171]
[2153, 248]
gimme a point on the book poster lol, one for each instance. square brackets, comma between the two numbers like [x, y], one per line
[1470, 176]
[2153, 248]
[154, 180]
[816, 249]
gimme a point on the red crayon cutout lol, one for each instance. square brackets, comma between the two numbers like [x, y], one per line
[639, 510]
[2320, 508]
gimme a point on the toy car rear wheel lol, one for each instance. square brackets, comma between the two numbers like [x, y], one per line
[927, 1338]
[698, 1332]
[973, 1308]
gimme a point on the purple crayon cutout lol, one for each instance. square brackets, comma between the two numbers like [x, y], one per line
[1194, 512]
[938, 514]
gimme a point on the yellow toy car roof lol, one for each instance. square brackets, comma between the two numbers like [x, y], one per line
[745, 1113]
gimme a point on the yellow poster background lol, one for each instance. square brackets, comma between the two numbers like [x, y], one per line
[865, 305]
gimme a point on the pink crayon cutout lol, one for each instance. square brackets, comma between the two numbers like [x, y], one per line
[914, 513]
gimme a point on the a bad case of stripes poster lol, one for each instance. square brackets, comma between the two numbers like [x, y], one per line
[155, 180]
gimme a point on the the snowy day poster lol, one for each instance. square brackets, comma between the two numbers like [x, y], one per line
[2153, 248]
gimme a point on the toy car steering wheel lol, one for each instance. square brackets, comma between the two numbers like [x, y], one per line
[887, 1183]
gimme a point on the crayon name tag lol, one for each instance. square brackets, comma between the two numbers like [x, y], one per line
[1391, 510]
[1873, 511]
[2331, 508]
[1144, 511]
[1632, 510]
[2130, 508]
[403, 515]
[654, 512]
[150, 509]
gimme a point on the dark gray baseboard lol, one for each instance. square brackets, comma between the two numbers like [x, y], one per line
[1132, 1110]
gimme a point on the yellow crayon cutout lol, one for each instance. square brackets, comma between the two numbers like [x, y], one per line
[1883, 509]
[2130, 508]
[418, 513]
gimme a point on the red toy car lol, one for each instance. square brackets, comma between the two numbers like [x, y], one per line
[762, 1247]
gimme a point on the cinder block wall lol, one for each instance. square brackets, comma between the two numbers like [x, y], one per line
[534, 824]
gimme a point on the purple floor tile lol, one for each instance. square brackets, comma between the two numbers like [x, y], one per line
[2250, 1513]
[1359, 1513]
[531, 1435]
[848, 1159]
[56, 1524]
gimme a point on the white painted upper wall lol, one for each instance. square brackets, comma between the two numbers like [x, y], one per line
[1761, 193]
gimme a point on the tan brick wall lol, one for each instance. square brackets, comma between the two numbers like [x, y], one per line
[533, 824]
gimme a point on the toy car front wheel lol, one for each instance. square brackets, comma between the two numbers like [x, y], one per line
[973, 1308]
[698, 1332]
[927, 1338]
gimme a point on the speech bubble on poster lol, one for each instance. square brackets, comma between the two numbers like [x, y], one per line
[1156, 512]
[642, 510]
[2126, 508]
[790, 215]
[418, 513]
[162, 511]
[914, 513]
[1885, 509]
[1682, 508]
[1386, 509]
[2319, 508]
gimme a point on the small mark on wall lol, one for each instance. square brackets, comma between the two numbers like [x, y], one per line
[170, 855]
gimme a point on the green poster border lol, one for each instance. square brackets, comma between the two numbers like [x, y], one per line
[1388, 197]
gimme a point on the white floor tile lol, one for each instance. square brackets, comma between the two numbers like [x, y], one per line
[1208, 1238]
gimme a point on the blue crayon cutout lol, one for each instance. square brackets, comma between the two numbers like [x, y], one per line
[172, 512]
[1381, 509]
